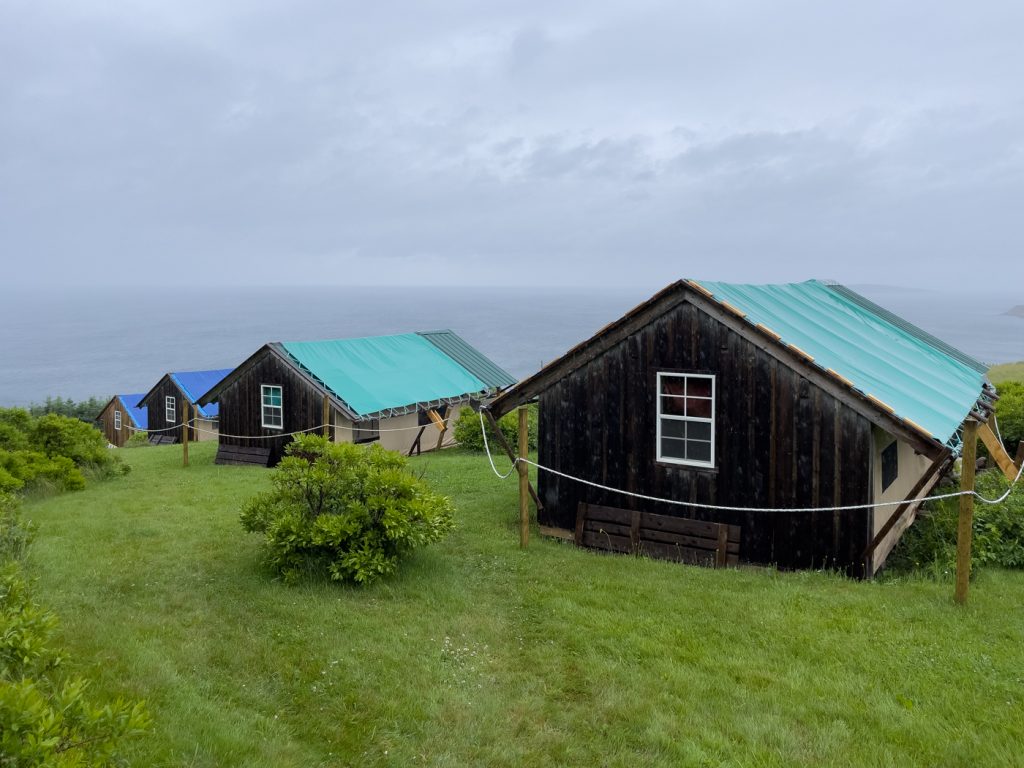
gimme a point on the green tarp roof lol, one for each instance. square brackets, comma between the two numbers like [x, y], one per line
[896, 363]
[383, 372]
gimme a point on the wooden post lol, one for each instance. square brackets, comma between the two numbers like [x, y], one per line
[966, 521]
[184, 435]
[524, 480]
[327, 416]
[500, 437]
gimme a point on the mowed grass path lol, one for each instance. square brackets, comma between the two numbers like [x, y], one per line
[478, 653]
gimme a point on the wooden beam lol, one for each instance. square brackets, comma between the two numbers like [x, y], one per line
[184, 435]
[998, 452]
[416, 443]
[964, 529]
[499, 435]
[524, 479]
[934, 469]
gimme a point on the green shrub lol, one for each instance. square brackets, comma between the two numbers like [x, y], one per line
[12, 438]
[1010, 414]
[45, 717]
[58, 435]
[18, 418]
[137, 440]
[467, 430]
[344, 510]
[15, 531]
[26, 469]
[998, 531]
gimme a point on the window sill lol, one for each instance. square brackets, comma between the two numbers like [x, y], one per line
[686, 467]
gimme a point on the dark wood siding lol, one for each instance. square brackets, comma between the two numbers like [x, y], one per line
[780, 442]
[106, 420]
[240, 405]
[157, 420]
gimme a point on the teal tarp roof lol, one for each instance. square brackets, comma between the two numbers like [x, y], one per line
[382, 372]
[928, 384]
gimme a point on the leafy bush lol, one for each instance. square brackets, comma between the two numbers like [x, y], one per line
[344, 510]
[45, 717]
[15, 532]
[468, 435]
[1010, 414]
[998, 530]
[137, 440]
[58, 435]
[26, 469]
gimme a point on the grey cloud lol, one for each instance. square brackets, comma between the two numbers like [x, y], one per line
[599, 142]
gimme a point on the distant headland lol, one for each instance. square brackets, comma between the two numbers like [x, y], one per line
[1017, 311]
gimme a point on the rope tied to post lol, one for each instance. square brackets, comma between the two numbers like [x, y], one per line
[725, 508]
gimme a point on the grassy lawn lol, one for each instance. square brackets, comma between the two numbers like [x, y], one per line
[1006, 372]
[479, 653]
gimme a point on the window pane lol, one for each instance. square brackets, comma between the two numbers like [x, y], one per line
[673, 428]
[696, 406]
[698, 387]
[673, 385]
[698, 430]
[673, 406]
[672, 448]
[698, 450]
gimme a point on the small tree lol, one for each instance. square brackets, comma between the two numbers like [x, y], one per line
[344, 510]
[1010, 413]
[468, 434]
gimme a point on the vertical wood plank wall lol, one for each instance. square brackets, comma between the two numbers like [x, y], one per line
[113, 436]
[156, 413]
[241, 406]
[778, 441]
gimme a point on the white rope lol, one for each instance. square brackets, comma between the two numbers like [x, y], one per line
[257, 437]
[721, 508]
[304, 431]
[487, 447]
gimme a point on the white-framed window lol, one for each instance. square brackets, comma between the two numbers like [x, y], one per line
[686, 419]
[170, 409]
[273, 406]
[117, 421]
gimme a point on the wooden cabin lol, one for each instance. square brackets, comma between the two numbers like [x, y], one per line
[759, 397]
[122, 417]
[401, 391]
[175, 399]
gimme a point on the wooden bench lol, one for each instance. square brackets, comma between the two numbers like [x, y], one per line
[659, 536]
[162, 439]
[242, 454]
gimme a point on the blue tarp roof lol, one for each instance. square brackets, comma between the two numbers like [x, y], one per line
[195, 384]
[138, 415]
[382, 372]
[932, 386]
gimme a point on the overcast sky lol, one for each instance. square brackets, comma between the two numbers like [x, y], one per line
[594, 143]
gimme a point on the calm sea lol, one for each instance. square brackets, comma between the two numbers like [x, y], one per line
[94, 342]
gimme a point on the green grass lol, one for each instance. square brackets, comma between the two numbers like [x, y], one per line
[479, 653]
[1006, 372]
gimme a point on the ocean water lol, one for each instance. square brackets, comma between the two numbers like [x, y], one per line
[99, 342]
